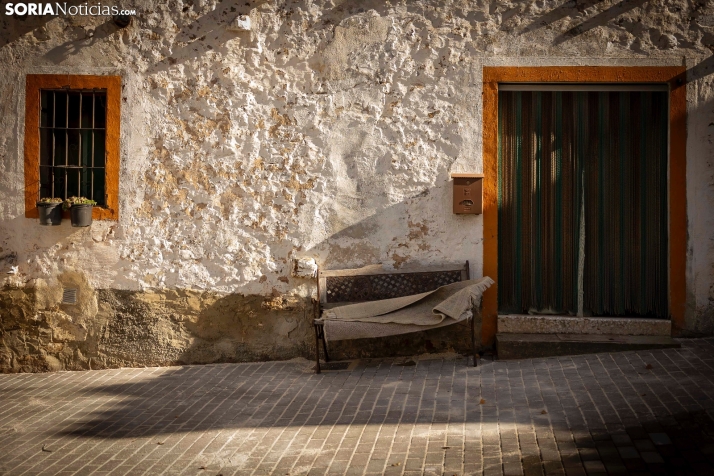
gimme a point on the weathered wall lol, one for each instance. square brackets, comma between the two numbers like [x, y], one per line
[700, 195]
[111, 328]
[328, 131]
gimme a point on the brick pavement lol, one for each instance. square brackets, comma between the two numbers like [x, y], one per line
[622, 413]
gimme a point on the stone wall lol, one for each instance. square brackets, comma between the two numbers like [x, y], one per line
[327, 131]
[119, 328]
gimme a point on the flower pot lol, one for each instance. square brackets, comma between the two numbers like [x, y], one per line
[81, 215]
[50, 213]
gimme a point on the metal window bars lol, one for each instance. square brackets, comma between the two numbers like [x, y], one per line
[73, 143]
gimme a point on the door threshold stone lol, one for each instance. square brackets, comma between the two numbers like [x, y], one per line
[632, 326]
[528, 346]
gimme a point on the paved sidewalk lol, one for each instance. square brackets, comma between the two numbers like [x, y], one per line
[624, 413]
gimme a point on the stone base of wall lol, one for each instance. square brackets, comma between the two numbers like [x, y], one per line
[109, 329]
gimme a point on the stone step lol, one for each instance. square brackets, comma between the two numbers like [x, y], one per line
[622, 326]
[530, 346]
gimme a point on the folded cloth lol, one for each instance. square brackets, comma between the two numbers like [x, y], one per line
[443, 306]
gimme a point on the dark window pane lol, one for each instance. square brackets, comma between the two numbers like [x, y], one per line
[60, 147]
[72, 144]
[59, 179]
[86, 152]
[45, 182]
[82, 178]
[73, 183]
[87, 109]
[60, 109]
[73, 149]
[74, 111]
[100, 110]
[85, 184]
[99, 140]
[46, 191]
[45, 147]
[98, 186]
[46, 108]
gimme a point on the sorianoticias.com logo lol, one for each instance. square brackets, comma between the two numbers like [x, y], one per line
[58, 8]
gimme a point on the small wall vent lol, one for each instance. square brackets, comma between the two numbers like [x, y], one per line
[69, 296]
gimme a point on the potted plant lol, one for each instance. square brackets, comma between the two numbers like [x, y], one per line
[80, 210]
[50, 210]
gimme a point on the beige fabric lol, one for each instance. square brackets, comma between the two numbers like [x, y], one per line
[425, 309]
[347, 330]
[444, 306]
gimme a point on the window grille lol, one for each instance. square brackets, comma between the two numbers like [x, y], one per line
[73, 143]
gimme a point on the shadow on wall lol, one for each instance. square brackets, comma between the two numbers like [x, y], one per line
[568, 9]
[243, 328]
[697, 72]
[573, 8]
[207, 33]
[15, 26]
[403, 234]
[700, 196]
[210, 27]
[173, 327]
[183, 326]
[87, 39]
[600, 19]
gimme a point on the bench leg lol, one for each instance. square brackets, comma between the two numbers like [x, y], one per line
[317, 350]
[473, 339]
[324, 343]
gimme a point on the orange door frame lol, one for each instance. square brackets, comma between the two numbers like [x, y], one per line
[674, 76]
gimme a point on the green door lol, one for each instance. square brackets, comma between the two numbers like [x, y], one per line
[582, 202]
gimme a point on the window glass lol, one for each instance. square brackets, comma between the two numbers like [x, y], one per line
[72, 144]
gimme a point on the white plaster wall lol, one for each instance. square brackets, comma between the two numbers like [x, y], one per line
[329, 131]
[700, 195]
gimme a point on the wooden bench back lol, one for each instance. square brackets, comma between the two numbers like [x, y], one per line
[373, 282]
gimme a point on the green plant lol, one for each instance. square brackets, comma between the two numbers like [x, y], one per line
[50, 200]
[71, 201]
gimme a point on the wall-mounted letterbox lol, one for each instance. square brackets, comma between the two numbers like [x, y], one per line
[468, 193]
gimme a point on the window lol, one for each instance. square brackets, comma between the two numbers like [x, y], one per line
[72, 140]
[72, 143]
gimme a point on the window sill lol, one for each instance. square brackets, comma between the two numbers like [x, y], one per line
[98, 213]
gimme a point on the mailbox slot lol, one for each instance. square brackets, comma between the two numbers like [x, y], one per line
[468, 194]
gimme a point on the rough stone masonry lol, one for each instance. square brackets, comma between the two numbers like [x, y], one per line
[257, 133]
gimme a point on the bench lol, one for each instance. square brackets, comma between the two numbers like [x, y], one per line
[372, 283]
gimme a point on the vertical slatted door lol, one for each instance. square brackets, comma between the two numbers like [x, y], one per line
[538, 189]
[626, 205]
[583, 175]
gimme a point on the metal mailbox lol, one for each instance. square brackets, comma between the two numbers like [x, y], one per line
[468, 193]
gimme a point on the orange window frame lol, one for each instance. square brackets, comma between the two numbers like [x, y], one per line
[35, 83]
[674, 76]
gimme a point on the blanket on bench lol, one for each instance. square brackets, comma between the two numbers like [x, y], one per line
[441, 307]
